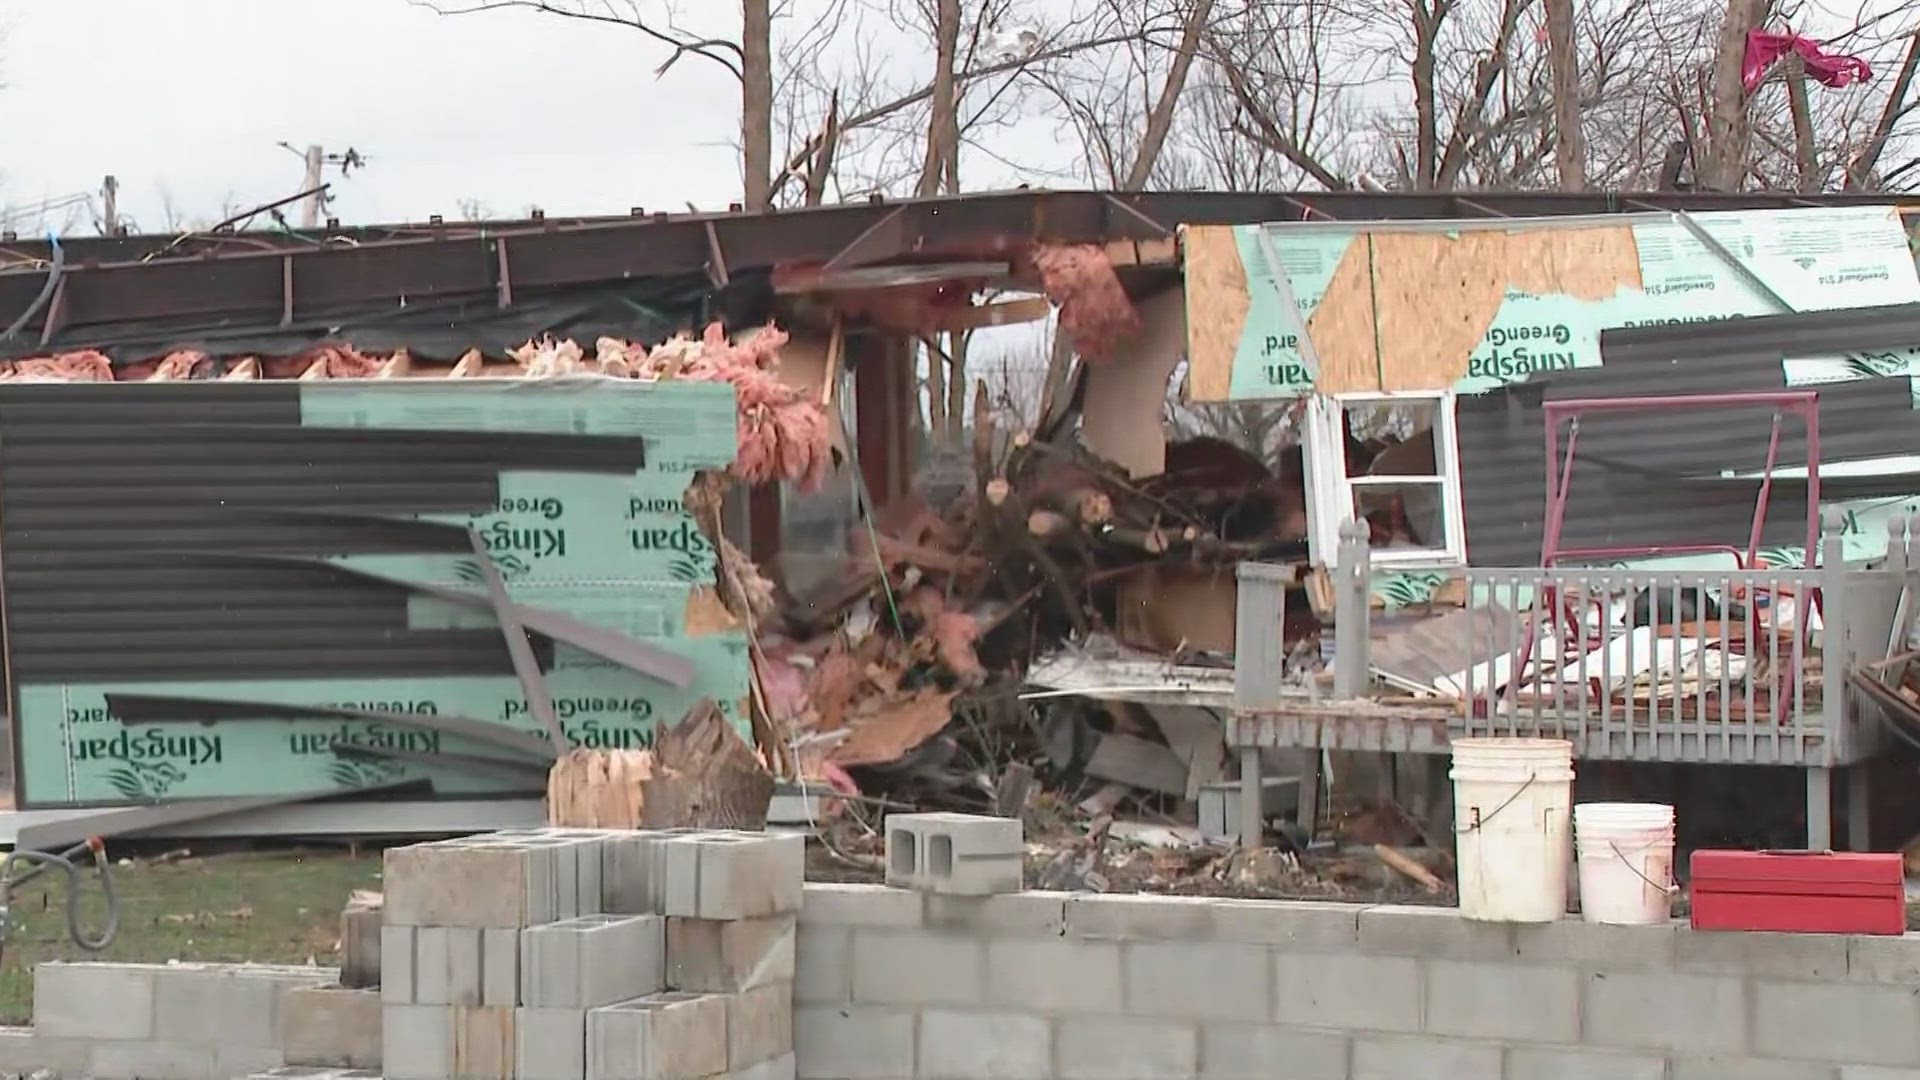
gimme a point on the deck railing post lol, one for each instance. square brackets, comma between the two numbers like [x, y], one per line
[1259, 637]
[1352, 602]
[1836, 630]
[1836, 661]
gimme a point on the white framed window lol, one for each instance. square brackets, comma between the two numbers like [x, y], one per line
[1392, 460]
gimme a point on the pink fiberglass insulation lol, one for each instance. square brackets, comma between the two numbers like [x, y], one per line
[83, 366]
[1094, 308]
[783, 430]
[339, 362]
[952, 633]
[783, 433]
[177, 365]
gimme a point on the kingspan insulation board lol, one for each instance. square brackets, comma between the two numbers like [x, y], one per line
[254, 543]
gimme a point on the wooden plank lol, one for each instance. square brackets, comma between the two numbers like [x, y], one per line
[1217, 306]
[978, 316]
[1197, 738]
[1138, 763]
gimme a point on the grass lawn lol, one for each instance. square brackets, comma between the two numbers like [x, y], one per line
[276, 907]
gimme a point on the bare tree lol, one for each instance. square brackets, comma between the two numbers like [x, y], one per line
[942, 162]
[756, 102]
[1569, 131]
[1892, 111]
[1728, 126]
[1455, 94]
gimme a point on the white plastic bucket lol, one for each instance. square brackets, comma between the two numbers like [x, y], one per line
[1512, 802]
[1626, 862]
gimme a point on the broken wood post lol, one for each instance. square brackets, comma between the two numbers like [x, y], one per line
[1259, 634]
[360, 942]
[1252, 808]
[1352, 579]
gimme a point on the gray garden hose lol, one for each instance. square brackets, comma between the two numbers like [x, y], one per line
[42, 862]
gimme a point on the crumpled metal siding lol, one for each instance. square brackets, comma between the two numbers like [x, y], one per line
[128, 511]
[1659, 477]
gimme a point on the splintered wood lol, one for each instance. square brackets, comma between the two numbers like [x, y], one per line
[699, 774]
[597, 789]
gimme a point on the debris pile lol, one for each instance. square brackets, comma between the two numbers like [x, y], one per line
[941, 613]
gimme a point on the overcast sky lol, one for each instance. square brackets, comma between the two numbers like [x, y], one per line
[187, 99]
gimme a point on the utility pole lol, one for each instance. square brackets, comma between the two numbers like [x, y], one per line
[310, 206]
[110, 207]
[316, 159]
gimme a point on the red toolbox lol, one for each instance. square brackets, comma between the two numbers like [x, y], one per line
[1806, 892]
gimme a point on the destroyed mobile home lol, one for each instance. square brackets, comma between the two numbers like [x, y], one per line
[1539, 548]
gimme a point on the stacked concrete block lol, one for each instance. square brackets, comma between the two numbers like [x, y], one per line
[562, 954]
[309, 1072]
[457, 914]
[895, 985]
[666, 1036]
[729, 875]
[731, 900]
[712, 956]
[955, 854]
[360, 924]
[330, 1027]
[23, 1051]
[592, 960]
[162, 1022]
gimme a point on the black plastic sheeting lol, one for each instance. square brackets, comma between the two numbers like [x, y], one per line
[436, 328]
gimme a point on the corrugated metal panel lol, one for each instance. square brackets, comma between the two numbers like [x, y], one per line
[1503, 466]
[1810, 333]
[1646, 478]
[99, 483]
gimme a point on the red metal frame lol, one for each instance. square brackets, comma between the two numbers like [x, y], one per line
[1801, 403]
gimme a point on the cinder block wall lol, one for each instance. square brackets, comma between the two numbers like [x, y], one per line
[893, 985]
[896, 985]
[164, 1021]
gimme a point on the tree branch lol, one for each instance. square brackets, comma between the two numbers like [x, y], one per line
[706, 48]
[1160, 120]
[1869, 158]
[870, 116]
[1467, 118]
[1269, 134]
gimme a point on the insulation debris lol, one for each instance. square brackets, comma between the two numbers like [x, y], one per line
[784, 430]
[83, 366]
[1094, 308]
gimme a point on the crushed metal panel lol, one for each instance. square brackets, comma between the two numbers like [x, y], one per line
[1659, 477]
